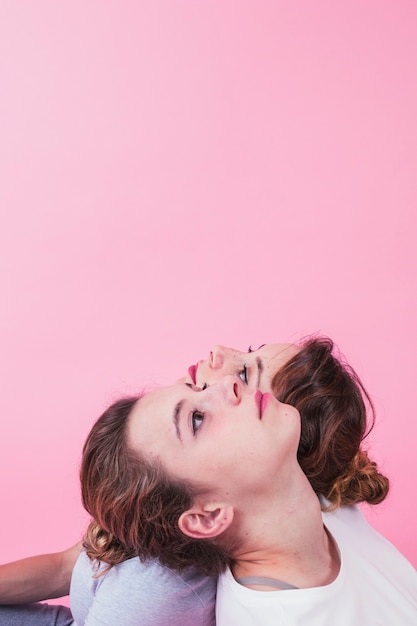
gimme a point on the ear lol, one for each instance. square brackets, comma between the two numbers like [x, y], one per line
[205, 522]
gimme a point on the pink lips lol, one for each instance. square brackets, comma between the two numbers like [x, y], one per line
[258, 400]
[192, 370]
[261, 400]
[265, 401]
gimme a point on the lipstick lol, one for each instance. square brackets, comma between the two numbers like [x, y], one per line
[265, 401]
[192, 370]
[259, 400]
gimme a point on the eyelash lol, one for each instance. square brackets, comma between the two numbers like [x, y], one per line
[250, 349]
[243, 375]
[196, 416]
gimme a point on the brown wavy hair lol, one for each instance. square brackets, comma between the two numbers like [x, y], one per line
[135, 506]
[332, 403]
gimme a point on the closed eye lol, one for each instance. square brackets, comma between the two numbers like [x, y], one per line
[197, 418]
[195, 387]
[250, 349]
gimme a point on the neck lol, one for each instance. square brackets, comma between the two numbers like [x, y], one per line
[286, 540]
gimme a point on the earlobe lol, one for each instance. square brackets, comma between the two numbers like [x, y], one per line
[205, 522]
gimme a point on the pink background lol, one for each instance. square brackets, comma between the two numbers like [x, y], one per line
[181, 173]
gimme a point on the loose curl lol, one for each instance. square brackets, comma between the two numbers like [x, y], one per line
[331, 400]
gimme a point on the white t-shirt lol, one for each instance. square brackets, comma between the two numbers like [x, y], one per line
[376, 586]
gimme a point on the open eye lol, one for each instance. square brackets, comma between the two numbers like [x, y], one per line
[197, 418]
[243, 375]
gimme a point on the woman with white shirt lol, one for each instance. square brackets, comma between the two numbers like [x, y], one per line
[226, 478]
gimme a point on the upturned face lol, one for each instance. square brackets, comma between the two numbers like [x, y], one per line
[229, 438]
[255, 368]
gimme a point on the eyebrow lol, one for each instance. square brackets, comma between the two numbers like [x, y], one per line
[260, 367]
[176, 418]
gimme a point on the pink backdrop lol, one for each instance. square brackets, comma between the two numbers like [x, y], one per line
[181, 173]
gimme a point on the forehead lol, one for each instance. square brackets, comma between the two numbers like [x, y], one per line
[157, 402]
[152, 416]
[278, 353]
[284, 350]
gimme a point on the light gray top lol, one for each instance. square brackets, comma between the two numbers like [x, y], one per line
[135, 594]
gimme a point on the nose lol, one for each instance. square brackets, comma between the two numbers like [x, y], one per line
[216, 358]
[233, 389]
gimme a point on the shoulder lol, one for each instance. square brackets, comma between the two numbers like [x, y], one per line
[155, 593]
[361, 544]
[349, 525]
[151, 577]
[349, 517]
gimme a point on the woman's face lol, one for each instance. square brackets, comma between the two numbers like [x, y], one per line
[256, 368]
[228, 438]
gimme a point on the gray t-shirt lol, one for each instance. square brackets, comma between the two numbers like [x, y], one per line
[141, 594]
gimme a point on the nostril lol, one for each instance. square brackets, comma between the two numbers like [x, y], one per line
[211, 358]
[236, 389]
